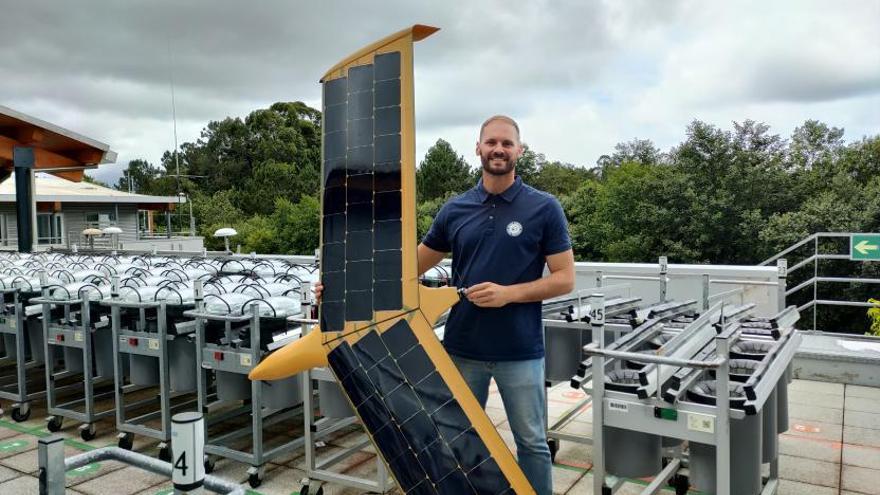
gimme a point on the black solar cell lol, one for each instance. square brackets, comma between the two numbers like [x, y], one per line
[387, 66]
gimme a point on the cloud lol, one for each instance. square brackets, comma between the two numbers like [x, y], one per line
[580, 76]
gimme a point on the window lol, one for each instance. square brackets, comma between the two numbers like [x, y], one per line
[49, 228]
[100, 220]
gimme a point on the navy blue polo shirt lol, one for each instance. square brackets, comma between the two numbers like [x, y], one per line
[501, 238]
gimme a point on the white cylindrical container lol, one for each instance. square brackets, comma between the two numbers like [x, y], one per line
[187, 451]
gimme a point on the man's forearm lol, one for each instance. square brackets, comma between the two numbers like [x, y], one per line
[547, 287]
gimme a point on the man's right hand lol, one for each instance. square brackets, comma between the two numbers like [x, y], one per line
[319, 288]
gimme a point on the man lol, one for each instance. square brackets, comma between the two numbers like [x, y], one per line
[501, 233]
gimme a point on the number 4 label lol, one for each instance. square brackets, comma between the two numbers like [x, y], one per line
[180, 463]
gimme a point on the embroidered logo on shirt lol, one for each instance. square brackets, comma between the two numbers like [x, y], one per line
[514, 229]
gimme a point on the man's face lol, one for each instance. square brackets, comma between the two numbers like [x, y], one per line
[499, 147]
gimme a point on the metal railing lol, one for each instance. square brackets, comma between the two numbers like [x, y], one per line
[814, 281]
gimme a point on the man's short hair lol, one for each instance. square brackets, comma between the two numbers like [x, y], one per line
[503, 118]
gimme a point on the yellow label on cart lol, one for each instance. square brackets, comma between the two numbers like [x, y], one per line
[153, 344]
[245, 360]
[78, 336]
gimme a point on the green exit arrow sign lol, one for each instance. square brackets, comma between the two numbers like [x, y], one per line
[864, 247]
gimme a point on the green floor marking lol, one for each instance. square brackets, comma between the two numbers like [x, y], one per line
[84, 470]
[13, 445]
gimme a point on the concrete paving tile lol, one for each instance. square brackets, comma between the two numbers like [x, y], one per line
[28, 463]
[861, 436]
[861, 480]
[237, 471]
[809, 471]
[580, 428]
[584, 486]
[15, 445]
[861, 456]
[863, 391]
[789, 487]
[816, 413]
[564, 478]
[814, 429]
[21, 486]
[89, 473]
[121, 482]
[814, 386]
[862, 419]
[810, 448]
[161, 489]
[8, 473]
[7, 433]
[862, 404]
[574, 454]
[283, 481]
[815, 398]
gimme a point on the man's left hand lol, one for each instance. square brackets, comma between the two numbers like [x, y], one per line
[489, 295]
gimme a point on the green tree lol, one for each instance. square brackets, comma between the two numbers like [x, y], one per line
[443, 171]
[529, 163]
[560, 179]
[296, 225]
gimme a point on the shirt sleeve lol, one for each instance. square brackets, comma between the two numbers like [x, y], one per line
[556, 238]
[437, 237]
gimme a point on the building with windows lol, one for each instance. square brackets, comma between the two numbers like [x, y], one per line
[66, 208]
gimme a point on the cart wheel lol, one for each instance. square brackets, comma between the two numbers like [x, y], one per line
[165, 454]
[126, 441]
[320, 491]
[209, 465]
[87, 433]
[255, 480]
[553, 444]
[20, 416]
[54, 423]
[606, 490]
[304, 490]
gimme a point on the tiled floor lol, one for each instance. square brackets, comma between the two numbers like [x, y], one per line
[832, 447]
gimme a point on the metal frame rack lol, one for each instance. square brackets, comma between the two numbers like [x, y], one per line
[321, 471]
[239, 360]
[152, 344]
[20, 379]
[75, 330]
[682, 418]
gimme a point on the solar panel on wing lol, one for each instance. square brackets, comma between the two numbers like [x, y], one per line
[376, 322]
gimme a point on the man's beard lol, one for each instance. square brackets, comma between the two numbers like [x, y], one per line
[508, 166]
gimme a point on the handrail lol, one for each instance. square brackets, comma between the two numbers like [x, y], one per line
[816, 279]
[787, 250]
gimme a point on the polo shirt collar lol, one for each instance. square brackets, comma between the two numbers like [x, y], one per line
[507, 195]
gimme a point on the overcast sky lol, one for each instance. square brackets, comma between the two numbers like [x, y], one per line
[580, 76]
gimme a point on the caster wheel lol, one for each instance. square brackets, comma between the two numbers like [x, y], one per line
[20, 416]
[320, 491]
[88, 433]
[126, 441]
[304, 490]
[553, 443]
[165, 454]
[209, 465]
[606, 490]
[255, 480]
[54, 424]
